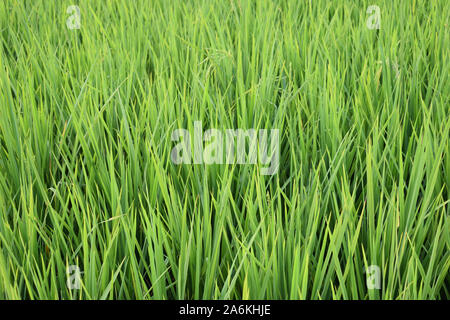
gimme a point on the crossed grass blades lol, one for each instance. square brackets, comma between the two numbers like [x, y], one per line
[85, 171]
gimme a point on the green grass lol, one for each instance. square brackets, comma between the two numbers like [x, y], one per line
[86, 179]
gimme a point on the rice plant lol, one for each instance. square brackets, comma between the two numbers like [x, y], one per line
[92, 206]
